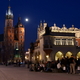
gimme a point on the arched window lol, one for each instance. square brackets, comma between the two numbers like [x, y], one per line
[59, 55]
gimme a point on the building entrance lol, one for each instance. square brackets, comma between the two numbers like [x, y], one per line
[68, 54]
[78, 55]
[59, 55]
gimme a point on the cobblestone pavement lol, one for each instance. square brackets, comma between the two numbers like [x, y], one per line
[22, 73]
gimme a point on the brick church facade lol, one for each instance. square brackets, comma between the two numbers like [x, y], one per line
[12, 41]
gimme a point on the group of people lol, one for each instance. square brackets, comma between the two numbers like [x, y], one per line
[68, 65]
[42, 67]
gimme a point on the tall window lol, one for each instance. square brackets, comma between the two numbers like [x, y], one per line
[21, 40]
[58, 42]
[63, 41]
[76, 43]
[69, 41]
[46, 42]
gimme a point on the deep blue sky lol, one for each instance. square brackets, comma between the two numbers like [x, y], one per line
[52, 11]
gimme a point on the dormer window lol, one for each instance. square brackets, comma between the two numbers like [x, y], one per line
[20, 36]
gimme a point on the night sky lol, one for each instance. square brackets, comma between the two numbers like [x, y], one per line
[52, 11]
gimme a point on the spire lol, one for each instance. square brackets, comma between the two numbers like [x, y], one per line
[9, 9]
[19, 20]
[9, 14]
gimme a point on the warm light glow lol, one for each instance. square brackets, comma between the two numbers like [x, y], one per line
[26, 57]
[27, 52]
[17, 49]
[26, 19]
[32, 57]
[59, 55]
[47, 56]
[40, 57]
[68, 54]
[78, 54]
[37, 56]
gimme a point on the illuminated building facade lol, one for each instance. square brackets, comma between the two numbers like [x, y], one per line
[54, 43]
[12, 41]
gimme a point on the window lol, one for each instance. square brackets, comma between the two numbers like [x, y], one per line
[20, 31]
[63, 41]
[69, 41]
[46, 42]
[76, 43]
[21, 40]
[57, 42]
[20, 36]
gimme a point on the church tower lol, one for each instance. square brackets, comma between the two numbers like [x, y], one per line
[9, 35]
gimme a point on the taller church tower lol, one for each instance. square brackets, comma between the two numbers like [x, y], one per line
[14, 38]
[9, 35]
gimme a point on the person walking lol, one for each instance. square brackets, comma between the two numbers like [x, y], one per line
[72, 65]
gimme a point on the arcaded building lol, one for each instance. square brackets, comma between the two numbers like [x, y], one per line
[55, 43]
[12, 41]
